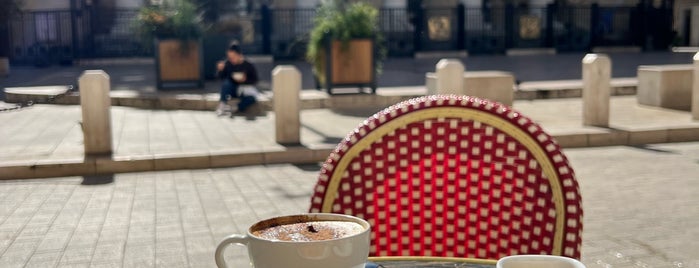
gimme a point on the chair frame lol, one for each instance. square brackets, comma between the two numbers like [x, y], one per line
[544, 149]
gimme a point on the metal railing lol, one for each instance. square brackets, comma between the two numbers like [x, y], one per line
[41, 37]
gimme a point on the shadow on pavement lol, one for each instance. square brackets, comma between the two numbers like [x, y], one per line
[98, 179]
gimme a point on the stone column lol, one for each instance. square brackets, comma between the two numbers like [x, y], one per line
[695, 88]
[450, 77]
[96, 104]
[596, 77]
[286, 86]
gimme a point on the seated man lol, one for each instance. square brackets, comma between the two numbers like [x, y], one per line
[239, 80]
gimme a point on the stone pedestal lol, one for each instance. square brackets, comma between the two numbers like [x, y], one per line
[286, 86]
[667, 86]
[450, 79]
[431, 83]
[493, 85]
[96, 120]
[695, 88]
[596, 75]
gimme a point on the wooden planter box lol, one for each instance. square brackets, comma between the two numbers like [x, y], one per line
[177, 65]
[350, 66]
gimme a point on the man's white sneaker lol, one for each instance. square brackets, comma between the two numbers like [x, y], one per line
[222, 108]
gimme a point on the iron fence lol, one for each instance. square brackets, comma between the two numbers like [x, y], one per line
[42, 37]
[483, 32]
[117, 38]
[42, 33]
[290, 31]
[46, 37]
[397, 29]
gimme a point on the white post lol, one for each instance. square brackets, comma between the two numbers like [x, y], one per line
[96, 104]
[596, 77]
[695, 88]
[450, 77]
[286, 86]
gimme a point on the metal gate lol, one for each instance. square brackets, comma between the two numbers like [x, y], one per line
[571, 28]
[438, 29]
[527, 27]
[41, 37]
[59, 36]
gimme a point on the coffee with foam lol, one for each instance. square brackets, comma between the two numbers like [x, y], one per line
[310, 231]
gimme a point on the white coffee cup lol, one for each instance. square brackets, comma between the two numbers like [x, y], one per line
[538, 261]
[346, 252]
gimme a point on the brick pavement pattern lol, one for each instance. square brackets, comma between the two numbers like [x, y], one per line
[640, 211]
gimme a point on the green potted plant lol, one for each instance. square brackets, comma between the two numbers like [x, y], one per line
[345, 45]
[9, 9]
[175, 28]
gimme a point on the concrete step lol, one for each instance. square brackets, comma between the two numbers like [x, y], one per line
[557, 89]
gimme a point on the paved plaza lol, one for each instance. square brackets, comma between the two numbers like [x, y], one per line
[640, 211]
[640, 201]
[53, 132]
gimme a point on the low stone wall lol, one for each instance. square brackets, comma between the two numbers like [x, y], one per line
[493, 85]
[667, 86]
[560, 89]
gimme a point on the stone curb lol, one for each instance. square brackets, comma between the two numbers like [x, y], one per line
[570, 89]
[292, 155]
[314, 99]
[159, 162]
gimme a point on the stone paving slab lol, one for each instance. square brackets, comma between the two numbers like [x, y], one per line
[46, 140]
[636, 214]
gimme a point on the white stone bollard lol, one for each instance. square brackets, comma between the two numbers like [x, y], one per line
[596, 77]
[450, 77]
[286, 86]
[695, 88]
[96, 105]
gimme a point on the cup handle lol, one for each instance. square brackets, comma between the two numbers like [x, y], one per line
[231, 239]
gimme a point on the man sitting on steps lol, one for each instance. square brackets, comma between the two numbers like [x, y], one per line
[237, 73]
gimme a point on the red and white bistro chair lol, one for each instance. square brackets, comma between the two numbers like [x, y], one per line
[454, 176]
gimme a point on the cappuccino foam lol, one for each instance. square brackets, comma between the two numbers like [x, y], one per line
[310, 231]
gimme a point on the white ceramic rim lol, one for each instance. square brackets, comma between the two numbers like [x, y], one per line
[572, 261]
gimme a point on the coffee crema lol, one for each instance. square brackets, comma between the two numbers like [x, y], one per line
[310, 231]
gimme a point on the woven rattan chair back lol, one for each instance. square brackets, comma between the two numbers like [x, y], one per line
[454, 176]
